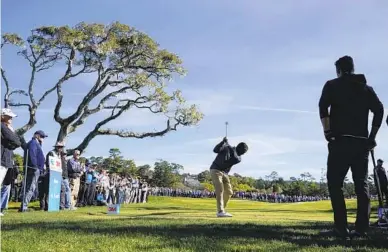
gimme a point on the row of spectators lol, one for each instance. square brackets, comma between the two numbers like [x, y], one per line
[82, 183]
[274, 198]
[120, 190]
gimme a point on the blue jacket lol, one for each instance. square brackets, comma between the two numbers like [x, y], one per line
[89, 178]
[95, 174]
[36, 158]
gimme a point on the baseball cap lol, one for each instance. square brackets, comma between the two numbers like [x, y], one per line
[41, 133]
[59, 144]
[8, 112]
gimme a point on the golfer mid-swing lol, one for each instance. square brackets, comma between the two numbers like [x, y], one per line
[227, 156]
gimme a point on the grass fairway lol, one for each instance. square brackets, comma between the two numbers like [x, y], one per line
[182, 224]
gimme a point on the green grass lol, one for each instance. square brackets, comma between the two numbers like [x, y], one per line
[182, 224]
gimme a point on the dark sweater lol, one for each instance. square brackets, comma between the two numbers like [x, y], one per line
[350, 99]
[226, 157]
[9, 142]
[382, 176]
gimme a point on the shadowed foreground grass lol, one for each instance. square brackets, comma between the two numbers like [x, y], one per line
[182, 224]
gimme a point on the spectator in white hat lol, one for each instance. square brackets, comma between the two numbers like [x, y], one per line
[9, 142]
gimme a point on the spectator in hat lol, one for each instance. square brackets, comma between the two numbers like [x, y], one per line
[44, 185]
[83, 186]
[92, 178]
[65, 185]
[9, 142]
[382, 176]
[34, 157]
[75, 170]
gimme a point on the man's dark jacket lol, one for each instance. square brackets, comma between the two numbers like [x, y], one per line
[350, 99]
[226, 157]
[9, 142]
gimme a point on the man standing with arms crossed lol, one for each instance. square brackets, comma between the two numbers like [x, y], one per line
[74, 171]
[346, 129]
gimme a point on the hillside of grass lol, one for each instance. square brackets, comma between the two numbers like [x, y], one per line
[182, 224]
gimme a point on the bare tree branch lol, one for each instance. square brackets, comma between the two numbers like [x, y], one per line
[94, 132]
[20, 105]
[101, 105]
[31, 84]
[150, 108]
[58, 86]
[129, 134]
[6, 83]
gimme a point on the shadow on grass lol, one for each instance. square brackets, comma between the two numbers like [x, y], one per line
[221, 235]
[161, 208]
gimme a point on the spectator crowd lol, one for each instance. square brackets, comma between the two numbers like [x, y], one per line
[272, 198]
[83, 184]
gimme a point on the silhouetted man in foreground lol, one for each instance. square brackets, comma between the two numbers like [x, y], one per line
[346, 129]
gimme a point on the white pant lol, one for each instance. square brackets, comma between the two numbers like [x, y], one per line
[3, 172]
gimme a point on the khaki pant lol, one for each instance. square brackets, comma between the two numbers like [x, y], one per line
[222, 187]
[74, 186]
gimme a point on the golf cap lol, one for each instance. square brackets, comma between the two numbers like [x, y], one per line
[59, 144]
[8, 112]
[41, 133]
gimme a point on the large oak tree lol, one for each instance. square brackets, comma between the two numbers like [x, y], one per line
[130, 69]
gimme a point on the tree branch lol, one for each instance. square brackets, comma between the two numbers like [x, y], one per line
[20, 105]
[58, 86]
[94, 132]
[6, 83]
[126, 134]
[101, 105]
[31, 84]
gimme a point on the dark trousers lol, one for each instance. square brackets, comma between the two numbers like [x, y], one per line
[91, 193]
[13, 194]
[43, 185]
[345, 153]
[384, 192]
[84, 196]
[111, 197]
[81, 193]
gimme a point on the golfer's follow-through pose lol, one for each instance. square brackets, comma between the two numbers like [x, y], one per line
[346, 129]
[227, 156]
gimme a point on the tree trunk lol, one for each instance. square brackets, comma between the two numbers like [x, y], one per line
[62, 134]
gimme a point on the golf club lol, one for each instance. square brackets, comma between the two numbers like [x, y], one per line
[226, 129]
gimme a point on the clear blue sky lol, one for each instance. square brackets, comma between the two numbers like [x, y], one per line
[260, 65]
